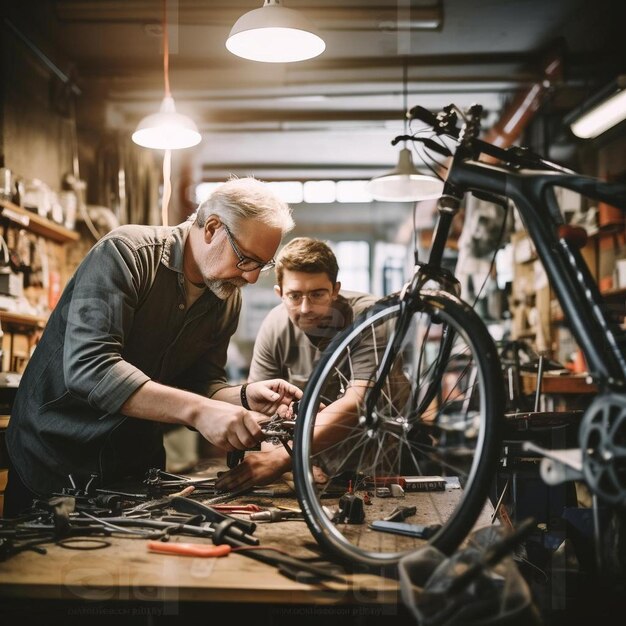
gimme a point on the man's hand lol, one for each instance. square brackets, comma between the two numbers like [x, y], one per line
[230, 427]
[272, 396]
[257, 468]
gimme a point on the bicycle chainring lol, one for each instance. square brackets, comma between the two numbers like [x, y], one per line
[602, 439]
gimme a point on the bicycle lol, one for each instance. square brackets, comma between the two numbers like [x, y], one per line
[414, 387]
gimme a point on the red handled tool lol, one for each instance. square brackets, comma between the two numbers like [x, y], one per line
[189, 549]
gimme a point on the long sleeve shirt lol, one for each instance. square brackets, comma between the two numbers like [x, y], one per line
[122, 320]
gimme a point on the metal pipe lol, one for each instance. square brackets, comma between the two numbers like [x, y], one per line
[53, 67]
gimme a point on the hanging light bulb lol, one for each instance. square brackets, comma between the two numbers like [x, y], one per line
[167, 129]
[274, 34]
[404, 183]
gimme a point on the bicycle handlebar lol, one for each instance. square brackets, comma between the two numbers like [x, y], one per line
[445, 123]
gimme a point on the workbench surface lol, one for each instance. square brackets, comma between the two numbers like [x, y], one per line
[126, 571]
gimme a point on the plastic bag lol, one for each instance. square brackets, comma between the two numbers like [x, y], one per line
[496, 594]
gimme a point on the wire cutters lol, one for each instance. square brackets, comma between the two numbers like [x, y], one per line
[189, 549]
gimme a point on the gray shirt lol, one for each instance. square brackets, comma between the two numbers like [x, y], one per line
[281, 350]
[121, 321]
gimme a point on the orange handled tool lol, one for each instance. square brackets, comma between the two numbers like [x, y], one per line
[188, 549]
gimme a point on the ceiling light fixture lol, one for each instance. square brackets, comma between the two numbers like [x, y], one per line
[404, 183]
[167, 129]
[274, 34]
[603, 111]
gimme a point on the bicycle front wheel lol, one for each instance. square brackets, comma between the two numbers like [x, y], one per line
[431, 429]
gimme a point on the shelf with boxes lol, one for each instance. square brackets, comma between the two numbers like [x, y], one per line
[537, 315]
[35, 223]
[20, 321]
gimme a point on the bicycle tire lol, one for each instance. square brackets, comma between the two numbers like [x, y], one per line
[464, 424]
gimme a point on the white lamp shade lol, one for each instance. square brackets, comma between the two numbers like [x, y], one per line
[404, 183]
[602, 117]
[167, 129]
[274, 34]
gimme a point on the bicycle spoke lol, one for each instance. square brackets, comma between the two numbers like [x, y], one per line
[371, 430]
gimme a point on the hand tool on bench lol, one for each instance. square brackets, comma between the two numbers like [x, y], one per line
[289, 566]
[186, 505]
[237, 508]
[276, 516]
[160, 503]
[188, 549]
[408, 530]
[400, 513]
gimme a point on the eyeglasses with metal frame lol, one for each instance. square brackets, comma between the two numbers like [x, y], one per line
[315, 296]
[247, 264]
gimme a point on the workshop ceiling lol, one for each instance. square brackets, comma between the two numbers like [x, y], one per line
[333, 116]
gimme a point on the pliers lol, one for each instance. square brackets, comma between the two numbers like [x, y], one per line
[189, 549]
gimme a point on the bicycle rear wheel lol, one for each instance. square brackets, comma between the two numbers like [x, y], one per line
[436, 414]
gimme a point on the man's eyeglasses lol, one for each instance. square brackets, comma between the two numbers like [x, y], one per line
[247, 264]
[317, 296]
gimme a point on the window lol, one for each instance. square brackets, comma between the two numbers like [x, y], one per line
[288, 191]
[353, 258]
[353, 191]
[319, 191]
[312, 191]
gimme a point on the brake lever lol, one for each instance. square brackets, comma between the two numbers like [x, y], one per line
[428, 143]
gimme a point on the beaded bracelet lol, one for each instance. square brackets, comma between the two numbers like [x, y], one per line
[244, 397]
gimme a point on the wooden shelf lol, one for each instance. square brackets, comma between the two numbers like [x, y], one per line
[36, 224]
[13, 321]
[558, 384]
[611, 294]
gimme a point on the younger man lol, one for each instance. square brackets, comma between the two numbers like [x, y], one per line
[294, 335]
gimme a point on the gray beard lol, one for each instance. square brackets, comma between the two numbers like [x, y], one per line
[223, 289]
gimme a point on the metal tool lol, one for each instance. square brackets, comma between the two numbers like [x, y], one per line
[275, 515]
[186, 505]
[159, 503]
[237, 508]
[188, 549]
[400, 513]
[402, 528]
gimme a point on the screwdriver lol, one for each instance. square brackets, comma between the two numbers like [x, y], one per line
[275, 516]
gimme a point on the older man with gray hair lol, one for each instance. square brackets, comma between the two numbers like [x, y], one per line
[138, 339]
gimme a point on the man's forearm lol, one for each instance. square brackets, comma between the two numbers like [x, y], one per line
[160, 403]
[228, 394]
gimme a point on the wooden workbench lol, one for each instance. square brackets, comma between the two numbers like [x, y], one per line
[126, 572]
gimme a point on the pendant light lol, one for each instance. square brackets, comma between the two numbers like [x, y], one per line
[274, 34]
[605, 110]
[404, 183]
[167, 129]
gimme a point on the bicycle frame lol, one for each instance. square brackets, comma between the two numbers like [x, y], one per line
[602, 342]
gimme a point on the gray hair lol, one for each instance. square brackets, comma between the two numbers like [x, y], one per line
[245, 198]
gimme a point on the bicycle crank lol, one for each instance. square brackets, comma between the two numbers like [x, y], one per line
[602, 438]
